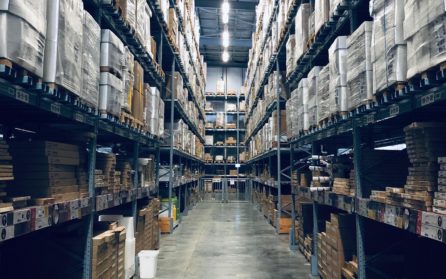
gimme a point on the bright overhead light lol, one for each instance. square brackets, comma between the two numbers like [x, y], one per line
[225, 38]
[225, 56]
[225, 7]
[225, 18]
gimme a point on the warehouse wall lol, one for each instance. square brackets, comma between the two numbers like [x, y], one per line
[235, 77]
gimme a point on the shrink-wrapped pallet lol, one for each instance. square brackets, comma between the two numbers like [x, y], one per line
[161, 117]
[220, 90]
[131, 14]
[129, 78]
[289, 115]
[177, 85]
[389, 51]
[110, 91]
[23, 28]
[220, 120]
[290, 47]
[143, 14]
[323, 94]
[359, 66]
[312, 80]
[90, 60]
[321, 14]
[311, 30]
[151, 114]
[63, 45]
[302, 106]
[301, 35]
[338, 75]
[425, 33]
[112, 53]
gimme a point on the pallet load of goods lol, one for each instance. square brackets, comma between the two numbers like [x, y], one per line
[55, 171]
[6, 176]
[118, 240]
[269, 136]
[184, 139]
[336, 247]
[365, 68]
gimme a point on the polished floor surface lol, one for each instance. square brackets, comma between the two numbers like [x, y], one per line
[231, 240]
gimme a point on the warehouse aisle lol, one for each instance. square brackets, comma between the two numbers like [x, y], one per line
[228, 241]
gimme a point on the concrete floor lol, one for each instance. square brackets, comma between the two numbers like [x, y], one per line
[230, 240]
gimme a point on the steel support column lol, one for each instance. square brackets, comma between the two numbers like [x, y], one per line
[293, 244]
[279, 159]
[314, 260]
[87, 272]
[172, 107]
[359, 194]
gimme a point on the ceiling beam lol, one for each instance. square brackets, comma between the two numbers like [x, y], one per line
[232, 42]
[235, 5]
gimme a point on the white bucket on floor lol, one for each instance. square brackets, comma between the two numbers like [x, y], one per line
[147, 263]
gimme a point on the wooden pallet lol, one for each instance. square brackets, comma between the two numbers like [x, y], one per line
[362, 108]
[130, 121]
[394, 92]
[63, 95]
[219, 161]
[18, 75]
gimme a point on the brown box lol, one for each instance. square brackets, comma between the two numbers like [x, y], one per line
[153, 48]
[138, 71]
[233, 172]
[138, 105]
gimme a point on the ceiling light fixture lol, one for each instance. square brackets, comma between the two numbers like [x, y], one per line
[225, 38]
[225, 56]
[225, 7]
[225, 18]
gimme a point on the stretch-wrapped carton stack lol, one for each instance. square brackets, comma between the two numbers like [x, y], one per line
[290, 47]
[359, 66]
[312, 81]
[389, 50]
[321, 14]
[23, 29]
[302, 106]
[338, 75]
[90, 60]
[425, 32]
[129, 79]
[63, 45]
[323, 94]
[143, 14]
[301, 35]
[111, 82]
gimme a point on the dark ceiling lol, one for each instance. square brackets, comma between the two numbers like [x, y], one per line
[241, 26]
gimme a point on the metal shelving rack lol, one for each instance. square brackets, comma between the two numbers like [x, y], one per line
[28, 109]
[170, 58]
[423, 99]
[211, 169]
[282, 173]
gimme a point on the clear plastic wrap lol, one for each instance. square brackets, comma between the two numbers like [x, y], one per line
[289, 114]
[23, 24]
[143, 14]
[110, 91]
[312, 80]
[359, 66]
[129, 79]
[301, 35]
[323, 94]
[302, 105]
[90, 60]
[388, 44]
[321, 14]
[338, 75]
[311, 30]
[112, 53]
[63, 46]
[177, 86]
[220, 120]
[152, 111]
[22, 43]
[131, 13]
[425, 32]
[290, 62]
